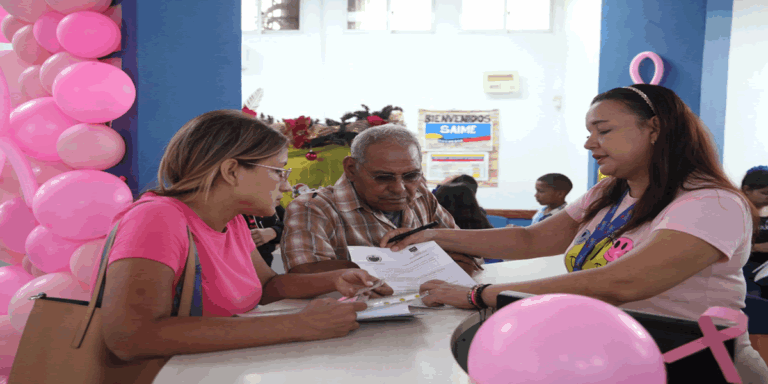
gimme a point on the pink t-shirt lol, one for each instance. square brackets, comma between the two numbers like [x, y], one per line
[719, 217]
[157, 230]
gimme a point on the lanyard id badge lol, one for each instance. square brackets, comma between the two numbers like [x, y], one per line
[606, 227]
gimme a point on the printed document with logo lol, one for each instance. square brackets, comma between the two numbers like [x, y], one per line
[406, 270]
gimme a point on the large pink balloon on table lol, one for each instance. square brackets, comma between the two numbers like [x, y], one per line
[36, 126]
[80, 205]
[84, 260]
[70, 6]
[16, 222]
[30, 83]
[88, 34]
[12, 68]
[54, 65]
[60, 284]
[28, 49]
[9, 342]
[44, 30]
[49, 252]
[90, 146]
[563, 338]
[27, 10]
[94, 92]
[10, 25]
[12, 278]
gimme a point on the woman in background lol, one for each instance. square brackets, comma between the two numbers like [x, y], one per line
[460, 201]
[755, 186]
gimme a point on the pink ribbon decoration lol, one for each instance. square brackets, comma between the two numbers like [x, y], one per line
[658, 67]
[713, 339]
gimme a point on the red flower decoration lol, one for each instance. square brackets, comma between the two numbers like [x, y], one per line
[249, 111]
[374, 120]
[299, 129]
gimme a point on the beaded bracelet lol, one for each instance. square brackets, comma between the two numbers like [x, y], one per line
[469, 298]
[479, 296]
[472, 297]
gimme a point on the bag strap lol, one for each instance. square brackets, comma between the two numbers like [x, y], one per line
[190, 276]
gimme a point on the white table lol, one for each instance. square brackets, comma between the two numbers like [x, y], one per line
[404, 352]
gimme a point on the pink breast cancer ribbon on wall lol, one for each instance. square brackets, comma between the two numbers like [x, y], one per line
[658, 70]
[713, 339]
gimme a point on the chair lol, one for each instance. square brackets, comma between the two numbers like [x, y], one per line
[757, 311]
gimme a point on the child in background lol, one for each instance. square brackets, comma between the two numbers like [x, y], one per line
[551, 190]
[755, 186]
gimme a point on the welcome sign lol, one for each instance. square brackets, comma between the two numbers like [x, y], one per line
[460, 142]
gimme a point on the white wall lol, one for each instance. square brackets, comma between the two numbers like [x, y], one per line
[746, 117]
[326, 71]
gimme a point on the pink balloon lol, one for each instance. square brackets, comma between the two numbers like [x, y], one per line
[94, 92]
[658, 70]
[12, 278]
[88, 34]
[12, 68]
[70, 6]
[563, 338]
[10, 25]
[80, 205]
[61, 285]
[5, 108]
[85, 258]
[91, 146]
[27, 10]
[16, 222]
[30, 268]
[44, 31]
[36, 126]
[28, 49]
[30, 83]
[44, 170]
[21, 167]
[3, 14]
[11, 257]
[54, 65]
[115, 14]
[9, 342]
[49, 252]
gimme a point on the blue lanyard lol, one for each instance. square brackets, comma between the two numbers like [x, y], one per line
[603, 230]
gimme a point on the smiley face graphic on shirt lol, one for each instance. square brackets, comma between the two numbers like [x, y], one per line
[604, 252]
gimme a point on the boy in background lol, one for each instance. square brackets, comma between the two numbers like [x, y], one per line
[551, 190]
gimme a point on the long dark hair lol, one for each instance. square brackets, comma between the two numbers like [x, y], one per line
[684, 151]
[459, 200]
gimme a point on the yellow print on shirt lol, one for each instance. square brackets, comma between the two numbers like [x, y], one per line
[604, 252]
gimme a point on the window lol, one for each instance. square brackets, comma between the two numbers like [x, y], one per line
[389, 15]
[510, 15]
[270, 15]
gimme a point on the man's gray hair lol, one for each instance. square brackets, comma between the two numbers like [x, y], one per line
[387, 132]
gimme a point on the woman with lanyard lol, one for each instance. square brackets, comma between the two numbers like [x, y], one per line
[667, 234]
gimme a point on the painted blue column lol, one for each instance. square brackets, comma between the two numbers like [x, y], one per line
[184, 57]
[674, 30]
[714, 79]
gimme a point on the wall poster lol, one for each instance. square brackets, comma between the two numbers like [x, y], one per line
[460, 142]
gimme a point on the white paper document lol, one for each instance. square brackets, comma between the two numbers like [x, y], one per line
[406, 270]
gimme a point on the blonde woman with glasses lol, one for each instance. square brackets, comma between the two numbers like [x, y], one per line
[217, 167]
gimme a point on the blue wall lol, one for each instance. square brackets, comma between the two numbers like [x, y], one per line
[184, 57]
[676, 31]
[714, 79]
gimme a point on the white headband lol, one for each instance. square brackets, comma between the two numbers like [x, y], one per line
[647, 100]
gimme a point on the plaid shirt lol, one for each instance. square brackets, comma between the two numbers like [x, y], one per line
[319, 226]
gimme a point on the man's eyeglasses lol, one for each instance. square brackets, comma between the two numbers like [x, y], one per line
[387, 178]
[284, 173]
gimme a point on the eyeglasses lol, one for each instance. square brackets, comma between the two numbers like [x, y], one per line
[408, 178]
[284, 173]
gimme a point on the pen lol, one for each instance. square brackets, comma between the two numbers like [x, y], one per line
[419, 229]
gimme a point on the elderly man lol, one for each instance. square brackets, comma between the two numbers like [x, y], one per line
[382, 189]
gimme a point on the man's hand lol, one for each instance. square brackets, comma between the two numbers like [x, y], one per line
[467, 263]
[438, 293]
[262, 236]
[353, 280]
